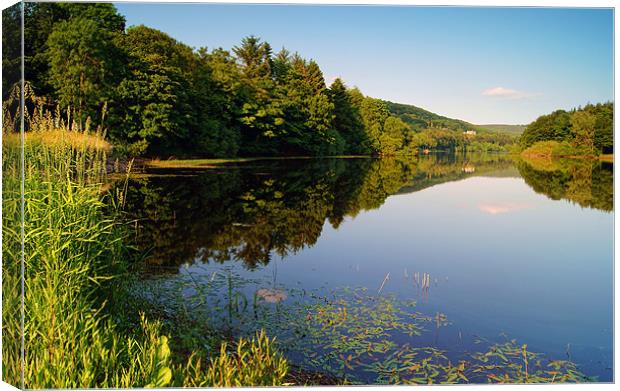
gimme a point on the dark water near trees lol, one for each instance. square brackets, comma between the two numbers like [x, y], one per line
[487, 247]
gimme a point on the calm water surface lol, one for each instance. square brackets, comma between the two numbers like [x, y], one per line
[512, 249]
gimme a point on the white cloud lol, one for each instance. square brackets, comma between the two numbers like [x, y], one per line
[505, 207]
[507, 93]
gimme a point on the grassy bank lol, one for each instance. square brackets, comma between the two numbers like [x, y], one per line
[211, 163]
[555, 149]
[77, 258]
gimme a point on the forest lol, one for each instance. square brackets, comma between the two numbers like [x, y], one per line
[587, 130]
[159, 97]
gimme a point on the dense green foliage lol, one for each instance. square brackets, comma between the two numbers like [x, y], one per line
[97, 21]
[11, 48]
[588, 129]
[154, 106]
[159, 97]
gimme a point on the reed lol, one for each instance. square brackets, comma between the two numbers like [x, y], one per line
[267, 367]
[387, 277]
[11, 265]
[73, 249]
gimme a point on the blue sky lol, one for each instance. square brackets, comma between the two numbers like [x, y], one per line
[483, 65]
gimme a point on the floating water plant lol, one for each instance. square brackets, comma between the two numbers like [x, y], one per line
[356, 337]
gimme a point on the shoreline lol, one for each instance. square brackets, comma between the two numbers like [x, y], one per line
[604, 158]
[140, 164]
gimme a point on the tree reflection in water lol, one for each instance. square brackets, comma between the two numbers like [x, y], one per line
[588, 183]
[250, 211]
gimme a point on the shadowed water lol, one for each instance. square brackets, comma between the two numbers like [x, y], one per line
[487, 247]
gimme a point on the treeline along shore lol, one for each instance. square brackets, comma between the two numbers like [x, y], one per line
[581, 132]
[159, 97]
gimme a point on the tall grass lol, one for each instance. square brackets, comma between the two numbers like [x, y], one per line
[11, 257]
[75, 254]
[253, 362]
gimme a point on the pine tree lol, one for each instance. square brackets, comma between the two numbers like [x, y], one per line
[347, 120]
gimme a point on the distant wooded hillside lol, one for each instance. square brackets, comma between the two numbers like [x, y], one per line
[510, 129]
[421, 119]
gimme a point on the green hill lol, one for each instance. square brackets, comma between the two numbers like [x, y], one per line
[510, 129]
[421, 119]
